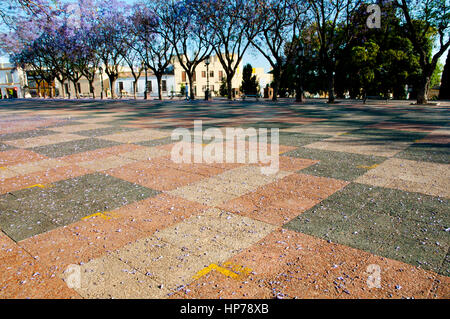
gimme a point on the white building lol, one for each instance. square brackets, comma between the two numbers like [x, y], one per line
[12, 81]
[125, 84]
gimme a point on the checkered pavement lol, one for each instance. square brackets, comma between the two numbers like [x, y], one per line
[96, 187]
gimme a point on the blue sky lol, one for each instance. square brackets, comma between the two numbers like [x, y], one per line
[252, 56]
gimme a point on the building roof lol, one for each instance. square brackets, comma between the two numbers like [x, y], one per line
[7, 66]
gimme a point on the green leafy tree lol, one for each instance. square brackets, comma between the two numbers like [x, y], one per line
[249, 82]
[436, 77]
[223, 90]
[382, 61]
[427, 24]
[182, 89]
[364, 59]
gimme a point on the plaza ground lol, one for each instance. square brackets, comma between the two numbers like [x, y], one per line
[362, 194]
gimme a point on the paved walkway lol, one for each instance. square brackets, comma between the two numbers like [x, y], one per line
[358, 209]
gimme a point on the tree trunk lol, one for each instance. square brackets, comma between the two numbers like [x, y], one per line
[77, 94]
[331, 97]
[38, 84]
[191, 87]
[50, 90]
[158, 82]
[134, 88]
[43, 91]
[91, 87]
[111, 86]
[422, 90]
[276, 83]
[229, 87]
[299, 94]
[146, 86]
[63, 89]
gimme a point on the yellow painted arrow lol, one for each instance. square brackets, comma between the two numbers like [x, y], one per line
[38, 185]
[104, 215]
[367, 167]
[244, 271]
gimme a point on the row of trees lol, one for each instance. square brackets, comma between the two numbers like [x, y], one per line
[314, 45]
[377, 61]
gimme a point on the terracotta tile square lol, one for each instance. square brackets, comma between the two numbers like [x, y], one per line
[23, 277]
[30, 283]
[441, 288]
[196, 168]
[157, 213]
[294, 163]
[11, 253]
[279, 202]
[156, 173]
[215, 285]
[295, 265]
[396, 280]
[14, 157]
[106, 234]
[59, 248]
[169, 179]
[270, 254]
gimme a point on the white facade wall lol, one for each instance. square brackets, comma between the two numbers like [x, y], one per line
[11, 78]
[127, 84]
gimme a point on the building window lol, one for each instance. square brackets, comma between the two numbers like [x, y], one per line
[120, 87]
[221, 75]
[164, 85]
[194, 76]
[183, 76]
[203, 74]
[212, 88]
[211, 74]
[9, 77]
